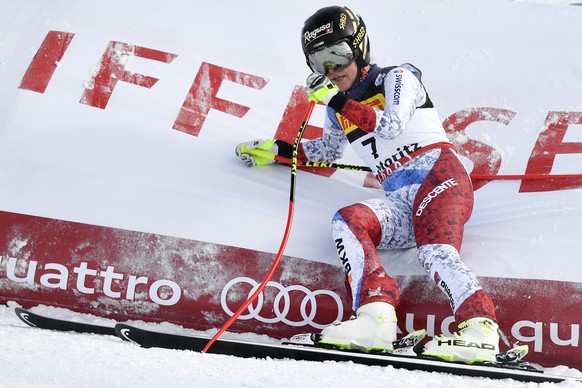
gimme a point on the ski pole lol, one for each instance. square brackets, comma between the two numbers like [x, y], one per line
[269, 274]
[340, 166]
[483, 177]
[525, 177]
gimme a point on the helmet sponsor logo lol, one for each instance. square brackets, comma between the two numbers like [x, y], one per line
[359, 37]
[318, 32]
[342, 21]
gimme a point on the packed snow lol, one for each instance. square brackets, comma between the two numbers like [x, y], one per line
[40, 358]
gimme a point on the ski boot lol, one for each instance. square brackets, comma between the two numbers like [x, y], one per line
[477, 341]
[373, 329]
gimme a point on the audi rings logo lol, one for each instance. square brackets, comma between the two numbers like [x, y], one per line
[282, 304]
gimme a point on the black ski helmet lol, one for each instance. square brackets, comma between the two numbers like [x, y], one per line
[333, 24]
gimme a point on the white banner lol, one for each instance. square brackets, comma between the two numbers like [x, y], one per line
[127, 115]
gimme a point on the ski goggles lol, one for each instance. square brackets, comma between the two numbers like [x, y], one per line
[336, 57]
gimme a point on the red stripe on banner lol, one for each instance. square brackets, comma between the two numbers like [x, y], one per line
[127, 275]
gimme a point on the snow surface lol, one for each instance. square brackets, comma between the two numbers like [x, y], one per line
[37, 358]
[40, 358]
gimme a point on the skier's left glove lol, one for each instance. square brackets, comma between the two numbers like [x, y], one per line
[257, 152]
[263, 152]
[320, 89]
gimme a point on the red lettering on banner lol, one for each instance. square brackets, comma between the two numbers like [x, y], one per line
[112, 70]
[486, 159]
[45, 61]
[291, 122]
[293, 118]
[549, 144]
[202, 96]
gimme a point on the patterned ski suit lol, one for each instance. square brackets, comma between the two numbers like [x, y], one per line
[429, 196]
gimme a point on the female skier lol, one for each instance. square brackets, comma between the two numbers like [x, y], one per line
[386, 115]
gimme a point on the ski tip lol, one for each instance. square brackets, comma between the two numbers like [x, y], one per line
[23, 315]
[124, 332]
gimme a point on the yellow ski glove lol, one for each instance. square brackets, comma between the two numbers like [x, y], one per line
[320, 89]
[257, 152]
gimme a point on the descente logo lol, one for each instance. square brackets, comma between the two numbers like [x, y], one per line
[113, 284]
[434, 193]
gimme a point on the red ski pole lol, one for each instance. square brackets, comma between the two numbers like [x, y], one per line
[269, 274]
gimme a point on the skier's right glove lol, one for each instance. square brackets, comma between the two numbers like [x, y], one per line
[262, 152]
[320, 89]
